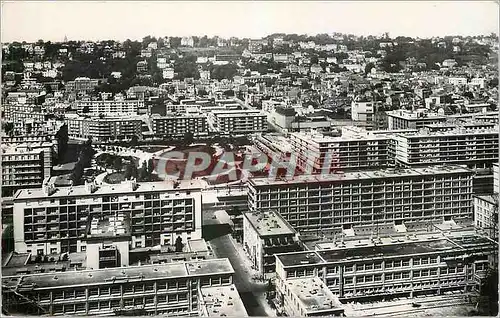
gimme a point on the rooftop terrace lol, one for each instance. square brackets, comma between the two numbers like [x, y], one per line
[223, 301]
[268, 223]
[314, 296]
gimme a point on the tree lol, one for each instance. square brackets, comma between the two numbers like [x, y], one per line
[118, 164]
[150, 166]
[188, 138]
[131, 171]
[134, 141]
[368, 68]
[178, 244]
[8, 128]
[77, 174]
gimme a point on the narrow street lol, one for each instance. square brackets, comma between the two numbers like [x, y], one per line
[252, 292]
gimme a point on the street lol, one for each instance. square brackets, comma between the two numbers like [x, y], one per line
[252, 292]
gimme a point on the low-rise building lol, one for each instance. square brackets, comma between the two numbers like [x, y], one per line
[399, 266]
[407, 119]
[266, 233]
[307, 297]
[486, 213]
[171, 289]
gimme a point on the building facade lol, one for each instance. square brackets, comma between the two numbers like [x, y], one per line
[427, 264]
[178, 126]
[406, 119]
[174, 289]
[336, 202]
[266, 233]
[238, 122]
[102, 129]
[317, 153]
[49, 220]
[125, 107]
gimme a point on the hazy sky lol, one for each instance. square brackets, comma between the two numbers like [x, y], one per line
[119, 20]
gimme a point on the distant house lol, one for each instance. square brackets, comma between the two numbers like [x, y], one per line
[142, 67]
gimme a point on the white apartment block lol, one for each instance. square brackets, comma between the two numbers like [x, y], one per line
[179, 125]
[486, 213]
[238, 122]
[49, 220]
[389, 196]
[126, 107]
[23, 167]
[362, 110]
[318, 153]
[407, 119]
[103, 129]
[476, 148]
[457, 81]
[81, 84]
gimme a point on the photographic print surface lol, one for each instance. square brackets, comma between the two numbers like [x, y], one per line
[252, 158]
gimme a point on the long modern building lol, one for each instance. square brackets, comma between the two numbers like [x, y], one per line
[238, 122]
[119, 107]
[404, 266]
[476, 148]
[387, 196]
[81, 84]
[317, 153]
[179, 125]
[52, 220]
[103, 129]
[173, 289]
[407, 119]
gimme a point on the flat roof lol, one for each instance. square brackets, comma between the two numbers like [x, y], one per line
[106, 275]
[223, 301]
[362, 175]
[454, 132]
[413, 115]
[350, 136]
[104, 189]
[313, 295]
[395, 249]
[490, 198]
[268, 223]
[300, 258]
[197, 245]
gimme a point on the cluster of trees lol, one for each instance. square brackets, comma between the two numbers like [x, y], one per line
[220, 72]
[145, 173]
[62, 142]
[186, 67]
[84, 161]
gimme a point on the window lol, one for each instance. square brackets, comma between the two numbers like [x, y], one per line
[388, 264]
[406, 262]
[83, 248]
[425, 261]
[406, 275]
[378, 265]
[416, 261]
[93, 292]
[388, 276]
[433, 272]
[348, 280]
[360, 279]
[349, 268]
[378, 278]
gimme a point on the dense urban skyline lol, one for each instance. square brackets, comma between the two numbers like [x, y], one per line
[134, 20]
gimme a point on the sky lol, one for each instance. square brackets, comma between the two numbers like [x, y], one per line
[119, 20]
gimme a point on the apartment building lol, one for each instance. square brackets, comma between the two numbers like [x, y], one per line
[26, 117]
[49, 220]
[317, 153]
[238, 122]
[476, 148]
[103, 129]
[266, 233]
[173, 289]
[496, 178]
[81, 84]
[407, 119]
[24, 168]
[337, 202]
[120, 107]
[363, 110]
[486, 213]
[179, 125]
[401, 266]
